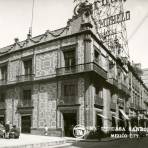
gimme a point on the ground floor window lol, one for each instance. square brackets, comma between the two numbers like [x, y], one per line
[113, 122]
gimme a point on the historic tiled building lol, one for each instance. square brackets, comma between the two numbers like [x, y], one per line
[63, 78]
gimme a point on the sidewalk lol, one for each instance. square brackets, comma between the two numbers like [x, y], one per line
[32, 141]
[36, 141]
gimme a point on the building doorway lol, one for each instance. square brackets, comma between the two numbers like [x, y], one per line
[2, 119]
[99, 122]
[26, 124]
[70, 120]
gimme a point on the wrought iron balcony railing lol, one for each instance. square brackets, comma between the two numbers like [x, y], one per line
[3, 82]
[98, 101]
[25, 103]
[2, 105]
[24, 78]
[86, 67]
[68, 100]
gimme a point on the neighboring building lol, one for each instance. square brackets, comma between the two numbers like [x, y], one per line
[139, 97]
[66, 77]
[145, 76]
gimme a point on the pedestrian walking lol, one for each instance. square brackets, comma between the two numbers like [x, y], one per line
[45, 130]
[7, 129]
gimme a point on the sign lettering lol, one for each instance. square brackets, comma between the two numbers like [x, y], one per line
[115, 19]
[107, 2]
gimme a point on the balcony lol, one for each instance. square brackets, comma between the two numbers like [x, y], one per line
[68, 101]
[81, 68]
[25, 104]
[3, 82]
[124, 88]
[135, 106]
[120, 103]
[127, 110]
[132, 106]
[113, 82]
[113, 106]
[25, 78]
[2, 105]
[98, 101]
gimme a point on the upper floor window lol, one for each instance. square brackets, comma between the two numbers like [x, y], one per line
[69, 57]
[96, 56]
[26, 94]
[69, 90]
[28, 67]
[3, 70]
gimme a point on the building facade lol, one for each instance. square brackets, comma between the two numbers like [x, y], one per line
[68, 77]
[145, 76]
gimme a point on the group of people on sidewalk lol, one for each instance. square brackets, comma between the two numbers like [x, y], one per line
[7, 131]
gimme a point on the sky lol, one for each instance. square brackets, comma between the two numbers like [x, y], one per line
[15, 20]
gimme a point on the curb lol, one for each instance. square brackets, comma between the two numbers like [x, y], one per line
[89, 140]
[61, 145]
[102, 140]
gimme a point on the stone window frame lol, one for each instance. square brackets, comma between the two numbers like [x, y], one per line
[22, 90]
[69, 82]
[98, 51]
[68, 48]
[24, 59]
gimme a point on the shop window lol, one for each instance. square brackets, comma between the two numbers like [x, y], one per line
[99, 92]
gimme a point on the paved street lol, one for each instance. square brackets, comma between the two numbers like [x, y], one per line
[122, 143]
[31, 141]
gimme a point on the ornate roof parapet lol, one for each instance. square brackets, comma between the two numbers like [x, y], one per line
[83, 8]
[29, 36]
[16, 40]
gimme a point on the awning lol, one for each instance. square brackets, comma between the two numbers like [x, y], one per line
[116, 117]
[101, 116]
[124, 114]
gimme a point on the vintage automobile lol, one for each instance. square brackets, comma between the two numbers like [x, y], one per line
[14, 132]
[2, 131]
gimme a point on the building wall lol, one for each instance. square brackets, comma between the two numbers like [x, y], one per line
[47, 86]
